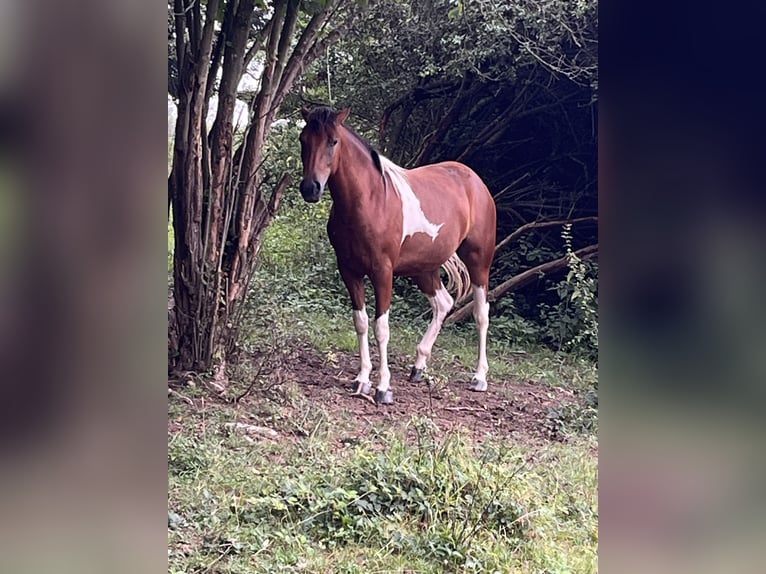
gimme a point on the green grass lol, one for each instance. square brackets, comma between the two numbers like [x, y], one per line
[387, 504]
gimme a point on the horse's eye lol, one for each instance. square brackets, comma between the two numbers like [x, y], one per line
[333, 142]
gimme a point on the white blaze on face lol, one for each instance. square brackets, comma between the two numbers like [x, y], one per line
[413, 219]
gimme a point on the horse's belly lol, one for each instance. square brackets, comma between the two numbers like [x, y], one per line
[419, 254]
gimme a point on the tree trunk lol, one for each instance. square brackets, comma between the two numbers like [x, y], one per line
[220, 211]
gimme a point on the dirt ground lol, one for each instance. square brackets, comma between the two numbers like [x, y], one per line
[511, 407]
[507, 408]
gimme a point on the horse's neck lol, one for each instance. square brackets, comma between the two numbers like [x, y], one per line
[353, 188]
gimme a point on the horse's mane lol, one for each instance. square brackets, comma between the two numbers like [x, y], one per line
[324, 115]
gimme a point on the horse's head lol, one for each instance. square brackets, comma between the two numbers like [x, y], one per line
[319, 146]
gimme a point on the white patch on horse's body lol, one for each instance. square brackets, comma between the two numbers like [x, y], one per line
[481, 316]
[382, 336]
[441, 303]
[413, 219]
[361, 323]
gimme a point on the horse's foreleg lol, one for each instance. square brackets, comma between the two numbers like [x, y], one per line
[361, 324]
[441, 302]
[481, 316]
[382, 335]
[383, 285]
[355, 286]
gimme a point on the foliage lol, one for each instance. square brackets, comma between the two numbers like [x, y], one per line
[572, 321]
[447, 493]
[429, 501]
[573, 419]
[584, 295]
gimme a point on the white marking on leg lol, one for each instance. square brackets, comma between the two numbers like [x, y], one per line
[382, 336]
[361, 323]
[481, 316]
[441, 303]
[413, 219]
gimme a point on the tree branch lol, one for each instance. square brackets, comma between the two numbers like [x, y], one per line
[195, 29]
[221, 134]
[220, 42]
[448, 120]
[309, 45]
[180, 25]
[518, 281]
[260, 37]
[295, 62]
[277, 193]
[288, 30]
[538, 224]
[496, 127]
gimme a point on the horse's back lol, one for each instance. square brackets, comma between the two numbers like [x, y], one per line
[452, 179]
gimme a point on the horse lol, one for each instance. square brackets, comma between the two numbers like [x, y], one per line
[385, 221]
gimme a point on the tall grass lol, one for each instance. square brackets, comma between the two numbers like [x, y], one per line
[413, 500]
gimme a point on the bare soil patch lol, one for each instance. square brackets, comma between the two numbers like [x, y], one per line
[510, 407]
[513, 408]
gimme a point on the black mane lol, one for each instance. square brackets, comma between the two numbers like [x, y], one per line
[324, 115]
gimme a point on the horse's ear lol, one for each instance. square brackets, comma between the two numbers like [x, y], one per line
[305, 113]
[342, 115]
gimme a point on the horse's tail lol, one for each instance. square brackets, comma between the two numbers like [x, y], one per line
[458, 279]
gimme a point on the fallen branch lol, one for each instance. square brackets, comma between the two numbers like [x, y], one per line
[184, 398]
[536, 224]
[518, 281]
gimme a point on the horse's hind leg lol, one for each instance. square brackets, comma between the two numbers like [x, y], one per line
[441, 303]
[477, 257]
[481, 316]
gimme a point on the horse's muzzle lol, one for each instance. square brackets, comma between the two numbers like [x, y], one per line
[311, 191]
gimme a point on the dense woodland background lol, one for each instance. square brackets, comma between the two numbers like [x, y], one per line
[510, 89]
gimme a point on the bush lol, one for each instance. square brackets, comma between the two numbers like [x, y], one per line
[447, 493]
[572, 323]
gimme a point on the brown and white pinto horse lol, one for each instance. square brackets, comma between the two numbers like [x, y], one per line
[386, 221]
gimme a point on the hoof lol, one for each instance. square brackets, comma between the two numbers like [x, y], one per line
[361, 388]
[416, 375]
[478, 385]
[384, 397]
